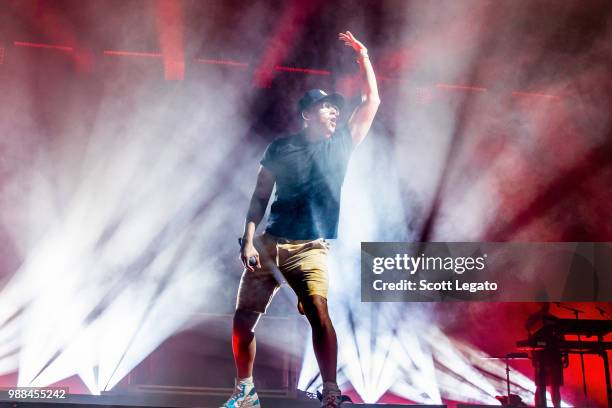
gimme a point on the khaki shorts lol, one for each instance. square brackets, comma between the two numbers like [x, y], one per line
[302, 264]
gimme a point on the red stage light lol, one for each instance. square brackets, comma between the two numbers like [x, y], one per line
[537, 95]
[221, 62]
[304, 70]
[41, 45]
[170, 30]
[461, 88]
[133, 54]
[288, 29]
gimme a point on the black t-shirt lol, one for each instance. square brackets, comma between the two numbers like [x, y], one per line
[309, 177]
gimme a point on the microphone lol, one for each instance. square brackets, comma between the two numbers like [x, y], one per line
[252, 260]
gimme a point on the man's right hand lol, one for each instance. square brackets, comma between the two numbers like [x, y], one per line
[246, 252]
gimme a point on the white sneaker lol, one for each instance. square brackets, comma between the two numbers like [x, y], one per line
[244, 396]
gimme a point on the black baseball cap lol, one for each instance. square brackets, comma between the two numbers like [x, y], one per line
[317, 95]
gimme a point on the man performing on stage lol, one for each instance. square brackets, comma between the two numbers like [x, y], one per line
[308, 169]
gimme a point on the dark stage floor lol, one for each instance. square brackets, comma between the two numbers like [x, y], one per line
[178, 401]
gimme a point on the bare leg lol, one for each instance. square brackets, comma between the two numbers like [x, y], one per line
[540, 396]
[540, 380]
[555, 394]
[243, 342]
[324, 339]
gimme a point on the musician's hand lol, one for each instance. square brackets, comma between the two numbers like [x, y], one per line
[350, 41]
[247, 252]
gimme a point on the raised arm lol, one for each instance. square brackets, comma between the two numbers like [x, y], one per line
[257, 209]
[361, 120]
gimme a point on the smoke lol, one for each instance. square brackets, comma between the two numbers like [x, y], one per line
[118, 196]
[532, 129]
[122, 194]
[499, 117]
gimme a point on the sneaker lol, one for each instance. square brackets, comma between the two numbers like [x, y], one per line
[244, 396]
[333, 400]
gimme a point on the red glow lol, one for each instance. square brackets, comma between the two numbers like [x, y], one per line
[538, 95]
[170, 29]
[59, 31]
[1, 55]
[41, 45]
[461, 88]
[386, 78]
[133, 54]
[221, 62]
[304, 70]
[290, 25]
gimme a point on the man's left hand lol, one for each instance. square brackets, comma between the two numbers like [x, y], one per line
[350, 41]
